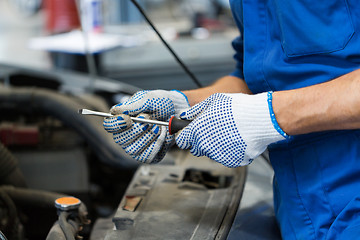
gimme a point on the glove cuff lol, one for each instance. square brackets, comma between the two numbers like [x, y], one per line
[254, 121]
[181, 102]
[273, 118]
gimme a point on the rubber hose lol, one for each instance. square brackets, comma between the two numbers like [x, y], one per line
[65, 226]
[10, 174]
[13, 220]
[36, 198]
[57, 233]
[65, 108]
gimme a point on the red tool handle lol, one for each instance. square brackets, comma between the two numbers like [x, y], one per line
[176, 124]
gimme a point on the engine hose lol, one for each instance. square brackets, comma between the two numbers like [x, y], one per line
[31, 197]
[65, 226]
[23, 197]
[57, 233]
[12, 224]
[37, 198]
[65, 109]
[10, 173]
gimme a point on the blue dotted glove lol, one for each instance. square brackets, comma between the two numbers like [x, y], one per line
[231, 129]
[159, 104]
[146, 143]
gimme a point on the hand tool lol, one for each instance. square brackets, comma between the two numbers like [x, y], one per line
[174, 123]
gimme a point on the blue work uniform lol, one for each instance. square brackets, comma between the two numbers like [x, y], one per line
[289, 44]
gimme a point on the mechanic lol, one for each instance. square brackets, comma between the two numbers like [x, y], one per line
[295, 91]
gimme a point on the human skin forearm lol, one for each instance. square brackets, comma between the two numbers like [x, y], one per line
[334, 105]
[227, 84]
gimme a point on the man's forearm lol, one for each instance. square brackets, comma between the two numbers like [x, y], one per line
[227, 84]
[334, 105]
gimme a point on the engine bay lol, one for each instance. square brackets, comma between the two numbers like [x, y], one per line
[49, 151]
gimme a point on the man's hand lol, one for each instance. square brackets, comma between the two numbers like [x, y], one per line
[159, 104]
[231, 129]
[145, 142]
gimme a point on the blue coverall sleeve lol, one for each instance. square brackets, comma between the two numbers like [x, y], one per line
[237, 44]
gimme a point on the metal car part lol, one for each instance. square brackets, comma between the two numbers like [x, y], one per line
[172, 206]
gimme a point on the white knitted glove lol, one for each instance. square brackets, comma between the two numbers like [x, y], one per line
[146, 143]
[159, 104]
[231, 129]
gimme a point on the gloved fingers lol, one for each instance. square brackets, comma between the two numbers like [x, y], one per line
[155, 103]
[193, 112]
[130, 105]
[149, 154]
[194, 141]
[199, 149]
[146, 155]
[169, 142]
[185, 138]
[144, 141]
[132, 133]
[133, 109]
[117, 123]
[158, 108]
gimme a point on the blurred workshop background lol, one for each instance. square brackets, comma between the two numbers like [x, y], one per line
[127, 49]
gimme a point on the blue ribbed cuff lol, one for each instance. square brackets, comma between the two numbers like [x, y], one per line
[273, 118]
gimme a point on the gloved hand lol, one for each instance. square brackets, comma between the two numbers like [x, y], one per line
[146, 143]
[231, 129]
